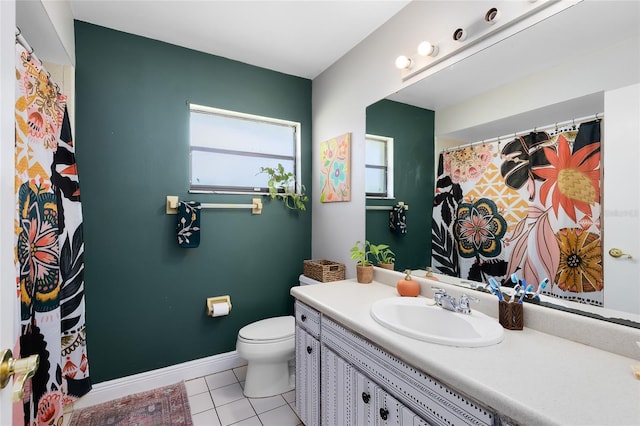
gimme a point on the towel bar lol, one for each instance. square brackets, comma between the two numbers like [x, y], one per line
[406, 207]
[256, 206]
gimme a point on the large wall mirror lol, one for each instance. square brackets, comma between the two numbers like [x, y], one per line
[556, 71]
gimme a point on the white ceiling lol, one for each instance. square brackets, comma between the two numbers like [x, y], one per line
[297, 37]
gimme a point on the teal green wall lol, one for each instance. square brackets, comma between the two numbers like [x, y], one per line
[413, 149]
[145, 296]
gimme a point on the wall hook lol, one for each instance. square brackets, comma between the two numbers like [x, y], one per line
[616, 252]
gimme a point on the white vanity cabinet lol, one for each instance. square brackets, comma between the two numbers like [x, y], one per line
[349, 398]
[344, 379]
[400, 390]
[307, 364]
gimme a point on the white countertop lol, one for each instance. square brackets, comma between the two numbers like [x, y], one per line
[532, 377]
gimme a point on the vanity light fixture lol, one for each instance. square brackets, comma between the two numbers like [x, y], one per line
[492, 16]
[469, 34]
[459, 34]
[403, 62]
[427, 49]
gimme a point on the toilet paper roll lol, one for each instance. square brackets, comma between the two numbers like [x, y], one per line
[219, 309]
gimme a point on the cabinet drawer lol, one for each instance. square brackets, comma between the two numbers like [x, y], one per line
[308, 318]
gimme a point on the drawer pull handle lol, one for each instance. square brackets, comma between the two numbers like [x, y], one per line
[366, 397]
[303, 318]
[384, 413]
[308, 349]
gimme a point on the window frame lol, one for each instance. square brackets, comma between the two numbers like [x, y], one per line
[388, 141]
[218, 189]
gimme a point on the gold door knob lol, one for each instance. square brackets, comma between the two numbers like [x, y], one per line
[615, 252]
[24, 368]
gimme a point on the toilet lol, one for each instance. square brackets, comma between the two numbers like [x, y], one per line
[268, 346]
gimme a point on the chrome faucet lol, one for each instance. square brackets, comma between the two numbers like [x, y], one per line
[463, 304]
[438, 293]
[449, 303]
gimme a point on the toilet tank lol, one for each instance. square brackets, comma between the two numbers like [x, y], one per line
[304, 280]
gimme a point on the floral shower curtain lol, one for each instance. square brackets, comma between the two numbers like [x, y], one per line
[49, 245]
[530, 206]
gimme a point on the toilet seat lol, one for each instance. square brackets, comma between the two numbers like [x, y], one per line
[270, 330]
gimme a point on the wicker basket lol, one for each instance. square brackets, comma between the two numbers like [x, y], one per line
[324, 270]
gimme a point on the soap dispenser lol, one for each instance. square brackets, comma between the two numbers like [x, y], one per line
[430, 275]
[407, 286]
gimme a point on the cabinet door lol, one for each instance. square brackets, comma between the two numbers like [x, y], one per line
[376, 407]
[338, 390]
[391, 412]
[365, 400]
[307, 378]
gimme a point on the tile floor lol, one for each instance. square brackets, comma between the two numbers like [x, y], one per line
[217, 400]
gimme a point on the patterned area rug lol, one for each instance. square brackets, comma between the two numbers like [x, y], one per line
[159, 407]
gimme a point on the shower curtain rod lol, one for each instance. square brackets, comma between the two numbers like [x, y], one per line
[20, 39]
[555, 126]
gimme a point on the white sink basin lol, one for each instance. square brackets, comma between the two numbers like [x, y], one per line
[414, 317]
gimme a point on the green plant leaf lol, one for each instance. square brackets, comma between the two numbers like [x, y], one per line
[360, 252]
[279, 183]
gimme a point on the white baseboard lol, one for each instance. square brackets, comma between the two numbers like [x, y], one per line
[117, 388]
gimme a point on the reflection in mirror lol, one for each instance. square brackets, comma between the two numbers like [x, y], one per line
[379, 166]
[411, 129]
[528, 206]
[565, 81]
[611, 315]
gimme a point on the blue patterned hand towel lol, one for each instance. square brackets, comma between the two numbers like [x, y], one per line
[398, 220]
[188, 226]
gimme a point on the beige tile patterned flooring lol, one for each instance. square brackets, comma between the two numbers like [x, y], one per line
[217, 400]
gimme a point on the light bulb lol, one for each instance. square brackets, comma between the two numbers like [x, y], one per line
[403, 62]
[427, 49]
[492, 16]
[459, 34]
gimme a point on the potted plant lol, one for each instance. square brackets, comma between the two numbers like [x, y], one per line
[282, 185]
[383, 255]
[360, 252]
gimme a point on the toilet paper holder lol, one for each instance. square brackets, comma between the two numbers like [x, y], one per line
[214, 300]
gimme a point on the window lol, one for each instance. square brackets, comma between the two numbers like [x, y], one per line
[227, 150]
[379, 167]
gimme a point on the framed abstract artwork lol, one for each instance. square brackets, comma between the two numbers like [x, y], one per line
[335, 169]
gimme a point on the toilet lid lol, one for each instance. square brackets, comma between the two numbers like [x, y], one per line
[269, 329]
